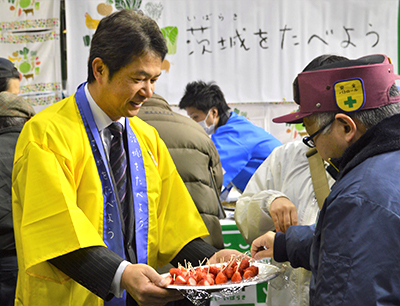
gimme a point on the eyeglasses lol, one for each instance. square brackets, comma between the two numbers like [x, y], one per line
[309, 140]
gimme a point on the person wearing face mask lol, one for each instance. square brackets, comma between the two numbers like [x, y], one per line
[242, 146]
[208, 129]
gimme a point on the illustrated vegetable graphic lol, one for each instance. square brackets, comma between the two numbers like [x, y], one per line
[128, 4]
[25, 66]
[105, 8]
[171, 35]
[24, 3]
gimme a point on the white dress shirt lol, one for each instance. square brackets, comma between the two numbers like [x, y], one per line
[102, 121]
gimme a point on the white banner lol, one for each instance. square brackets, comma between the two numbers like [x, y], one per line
[252, 49]
[30, 38]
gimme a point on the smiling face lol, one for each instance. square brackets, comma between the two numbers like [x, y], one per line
[128, 89]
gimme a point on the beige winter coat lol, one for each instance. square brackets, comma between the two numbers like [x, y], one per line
[195, 157]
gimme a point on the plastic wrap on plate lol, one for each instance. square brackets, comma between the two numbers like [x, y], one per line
[199, 294]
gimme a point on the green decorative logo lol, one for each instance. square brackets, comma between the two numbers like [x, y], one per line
[27, 62]
[24, 6]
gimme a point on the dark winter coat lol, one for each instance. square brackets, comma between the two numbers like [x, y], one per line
[354, 252]
[8, 139]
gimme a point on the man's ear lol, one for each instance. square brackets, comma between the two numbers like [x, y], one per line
[100, 70]
[214, 112]
[348, 127]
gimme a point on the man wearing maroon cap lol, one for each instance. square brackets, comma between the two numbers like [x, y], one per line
[351, 111]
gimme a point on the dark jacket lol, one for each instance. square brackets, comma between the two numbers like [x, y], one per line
[195, 157]
[8, 139]
[354, 252]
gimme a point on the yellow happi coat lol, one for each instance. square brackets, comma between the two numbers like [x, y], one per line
[58, 203]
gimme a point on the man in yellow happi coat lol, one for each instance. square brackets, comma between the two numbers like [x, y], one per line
[79, 240]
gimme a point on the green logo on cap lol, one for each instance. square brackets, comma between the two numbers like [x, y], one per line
[349, 95]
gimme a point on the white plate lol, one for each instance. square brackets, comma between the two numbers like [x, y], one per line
[266, 272]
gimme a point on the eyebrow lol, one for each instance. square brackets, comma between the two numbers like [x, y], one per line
[148, 75]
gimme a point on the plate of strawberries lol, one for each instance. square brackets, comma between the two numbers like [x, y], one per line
[238, 272]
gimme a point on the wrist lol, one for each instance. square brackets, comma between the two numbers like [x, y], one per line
[272, 198]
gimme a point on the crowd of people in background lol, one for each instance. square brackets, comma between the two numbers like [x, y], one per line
[242, 146]
[105, 190]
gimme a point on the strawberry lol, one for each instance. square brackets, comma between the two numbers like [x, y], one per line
[229, 271]
[203, 282]
[176, 272]
[170, 280]
[199, 269]
[248, 274]
[214, 270]
[211, 275]
[244, 264]
[191, 281]
[210, 278]
[236, 277]
[221, 278]
[180, 280]
[254, 269]
[200, 275]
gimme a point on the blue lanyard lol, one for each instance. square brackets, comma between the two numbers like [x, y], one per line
[139, 193]
[112, 232]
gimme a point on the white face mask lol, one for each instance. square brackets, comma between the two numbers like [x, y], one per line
[209, 129]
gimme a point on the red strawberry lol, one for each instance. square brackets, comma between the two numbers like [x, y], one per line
[180, 280]
[221, 278]
[170, 280]
[203, 282]
[191, 281]
[210, 278]
[236, 277]
[229, 271]
[175, 272]
[244, 264]
[254, 269]
[248, 274]
[200, 275]
[214, 270]
[211, 275]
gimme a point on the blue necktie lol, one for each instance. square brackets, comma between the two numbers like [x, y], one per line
[118, 163]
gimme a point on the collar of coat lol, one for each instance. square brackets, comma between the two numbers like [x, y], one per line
[381, 138]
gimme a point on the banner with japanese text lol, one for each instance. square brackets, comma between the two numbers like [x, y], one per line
[252, 49]
[30, 38]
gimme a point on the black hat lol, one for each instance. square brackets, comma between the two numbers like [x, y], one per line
[7, 69]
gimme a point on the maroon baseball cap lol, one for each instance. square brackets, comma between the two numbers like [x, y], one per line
[343, 87]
